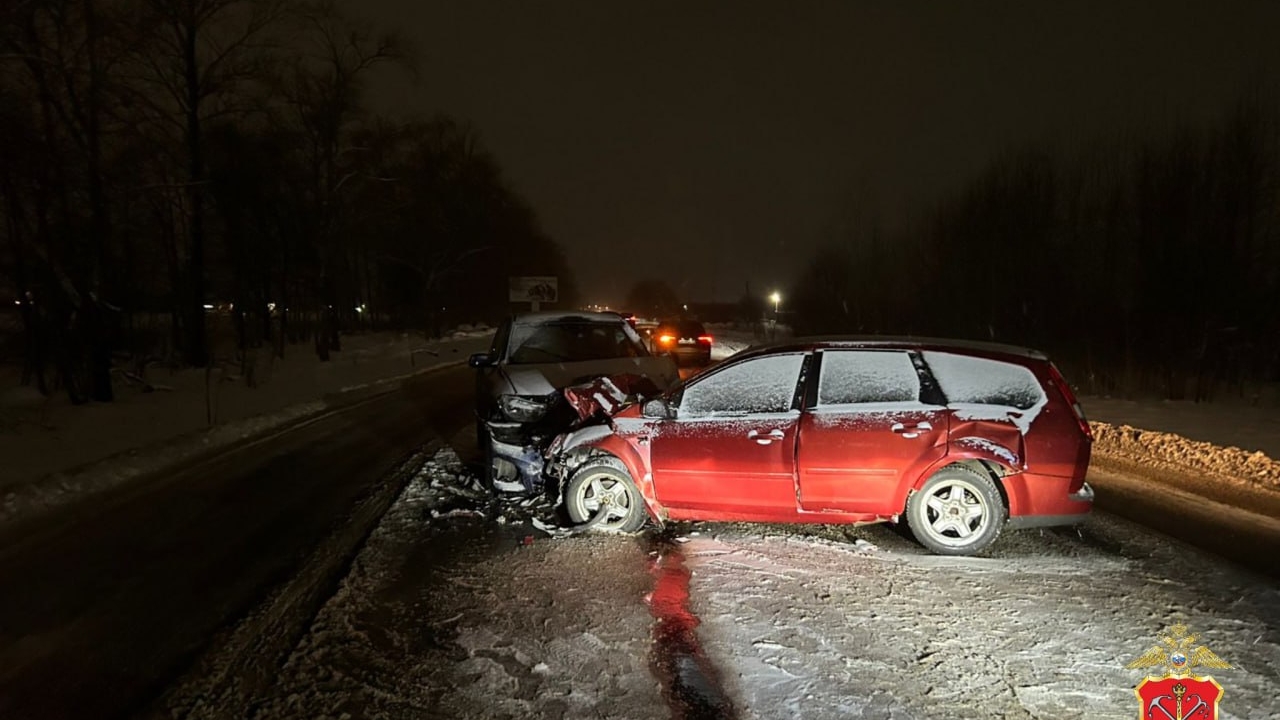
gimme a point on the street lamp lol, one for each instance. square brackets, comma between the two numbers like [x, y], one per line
[776, 297]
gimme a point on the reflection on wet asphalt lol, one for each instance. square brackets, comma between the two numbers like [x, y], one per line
[689, 681]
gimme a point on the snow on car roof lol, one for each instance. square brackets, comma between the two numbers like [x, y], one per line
[902, 341]
[546, 316]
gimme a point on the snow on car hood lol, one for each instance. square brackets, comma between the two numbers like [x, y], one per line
[546, 378]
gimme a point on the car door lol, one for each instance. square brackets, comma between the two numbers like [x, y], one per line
[869, 425]
[730, 451]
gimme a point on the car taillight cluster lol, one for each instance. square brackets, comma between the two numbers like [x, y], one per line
[1070, 397]
[668, 339]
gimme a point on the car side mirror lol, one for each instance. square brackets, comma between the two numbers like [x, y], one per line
[658, 408]
[480, 360]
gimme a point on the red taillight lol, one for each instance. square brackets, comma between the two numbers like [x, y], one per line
[1070, 397]
[704, 339]
[666, 339]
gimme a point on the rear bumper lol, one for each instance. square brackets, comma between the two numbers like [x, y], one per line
[1083, 497]
[1040, 500]
[689, 353]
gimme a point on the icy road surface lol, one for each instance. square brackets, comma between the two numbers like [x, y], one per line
[448, 613]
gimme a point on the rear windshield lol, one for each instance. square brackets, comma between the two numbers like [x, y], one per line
[683, 328]
[573, 341]
[980, 381]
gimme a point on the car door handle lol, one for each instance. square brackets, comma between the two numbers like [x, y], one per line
[912, 432]
[763, 439]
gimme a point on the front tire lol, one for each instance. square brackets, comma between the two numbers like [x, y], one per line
[957, 512]
[603, 487]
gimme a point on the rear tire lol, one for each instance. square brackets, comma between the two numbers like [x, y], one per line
[602, 486]
[957, 512]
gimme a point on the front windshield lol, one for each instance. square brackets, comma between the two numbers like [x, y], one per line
[573, 341]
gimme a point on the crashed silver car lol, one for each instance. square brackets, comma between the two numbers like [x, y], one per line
[520, 403]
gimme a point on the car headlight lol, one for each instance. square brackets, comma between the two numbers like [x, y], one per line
[522, 408]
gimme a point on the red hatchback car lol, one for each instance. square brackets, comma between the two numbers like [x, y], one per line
[959, 438]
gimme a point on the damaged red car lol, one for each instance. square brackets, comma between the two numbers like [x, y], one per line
[958, 439]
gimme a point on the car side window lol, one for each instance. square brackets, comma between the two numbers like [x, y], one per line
[981, 381]
[762, 385]
[856, 377]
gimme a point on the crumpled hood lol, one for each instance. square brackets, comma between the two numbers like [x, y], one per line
[607, 395]
[544, 379]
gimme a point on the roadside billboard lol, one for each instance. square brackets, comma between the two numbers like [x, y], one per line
[533, 289]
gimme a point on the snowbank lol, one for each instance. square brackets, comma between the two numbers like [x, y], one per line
[1224, 464]
[1227, 424]
[1226, 452]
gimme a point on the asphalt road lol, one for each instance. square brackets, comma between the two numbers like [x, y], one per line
[107, 603]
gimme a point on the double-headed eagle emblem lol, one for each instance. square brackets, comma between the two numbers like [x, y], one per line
[1176, 655]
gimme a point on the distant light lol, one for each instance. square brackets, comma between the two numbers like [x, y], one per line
[359, 309]
[208, 307]
[17, 302]
[271, 307]
[776, 297]
[686, 307]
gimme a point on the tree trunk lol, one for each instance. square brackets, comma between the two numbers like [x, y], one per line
[197, 352]
[98, 329]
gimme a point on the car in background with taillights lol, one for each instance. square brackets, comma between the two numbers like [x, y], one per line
[685, 341]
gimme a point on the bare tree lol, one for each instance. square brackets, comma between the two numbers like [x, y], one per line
[324, 90]
[201, 53]
[67, 50]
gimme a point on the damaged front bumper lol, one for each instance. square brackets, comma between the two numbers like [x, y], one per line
[516, 468]
[522, 454]
[515, 456]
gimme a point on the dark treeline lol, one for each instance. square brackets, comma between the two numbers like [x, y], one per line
[158, 157]
[1144, 265]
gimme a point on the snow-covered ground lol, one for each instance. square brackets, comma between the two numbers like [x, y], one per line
[1042, 628]
[451, 612]
[457, 607]
[53, 450]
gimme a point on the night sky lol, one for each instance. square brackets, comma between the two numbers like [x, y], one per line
[712, 144]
